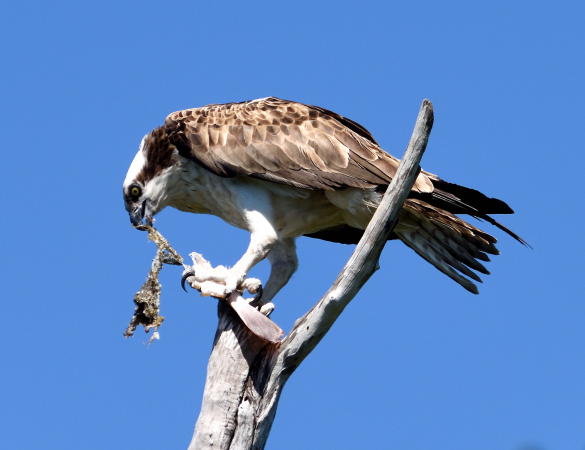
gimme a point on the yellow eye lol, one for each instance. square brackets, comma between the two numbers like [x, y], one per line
[135, 191]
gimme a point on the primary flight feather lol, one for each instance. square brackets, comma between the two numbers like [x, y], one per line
[282, 169]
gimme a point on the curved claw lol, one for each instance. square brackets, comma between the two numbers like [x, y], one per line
[259, 293]
[255, 301]
[186, 275]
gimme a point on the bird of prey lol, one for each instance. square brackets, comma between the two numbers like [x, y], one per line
[282, 169]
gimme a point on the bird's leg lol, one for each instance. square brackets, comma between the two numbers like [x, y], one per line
[283, 260]
[262, 239]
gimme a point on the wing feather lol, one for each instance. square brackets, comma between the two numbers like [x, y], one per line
[284, 142]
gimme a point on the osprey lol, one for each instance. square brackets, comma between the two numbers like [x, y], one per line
[282, 169]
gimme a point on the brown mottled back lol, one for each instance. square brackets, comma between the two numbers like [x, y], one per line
[284, 142]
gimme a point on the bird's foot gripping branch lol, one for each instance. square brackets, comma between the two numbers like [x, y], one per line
[210, 281]
[206, 279]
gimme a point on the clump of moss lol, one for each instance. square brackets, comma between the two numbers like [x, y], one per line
[147, 299]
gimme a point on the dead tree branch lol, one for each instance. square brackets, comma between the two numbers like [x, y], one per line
[245, 374]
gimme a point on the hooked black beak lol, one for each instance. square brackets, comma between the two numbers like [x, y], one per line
[140, 216]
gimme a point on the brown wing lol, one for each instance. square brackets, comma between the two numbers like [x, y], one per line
[284, 142]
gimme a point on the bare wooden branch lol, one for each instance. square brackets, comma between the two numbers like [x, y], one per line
[246, 374]
[364, 260]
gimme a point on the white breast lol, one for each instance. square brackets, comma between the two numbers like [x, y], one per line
[292, 211]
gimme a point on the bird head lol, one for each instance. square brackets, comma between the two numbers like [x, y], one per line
[149, 180]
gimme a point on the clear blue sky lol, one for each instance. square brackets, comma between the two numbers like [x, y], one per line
[415, 362]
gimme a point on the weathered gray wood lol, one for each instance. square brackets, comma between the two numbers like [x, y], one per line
[246, 375]
[230, 381]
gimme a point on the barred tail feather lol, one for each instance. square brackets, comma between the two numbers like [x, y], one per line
[449, 243]
[436, 256]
